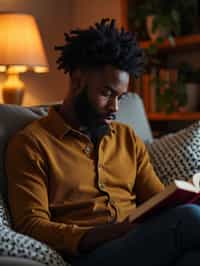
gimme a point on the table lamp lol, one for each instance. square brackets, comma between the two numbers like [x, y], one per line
[21, 49]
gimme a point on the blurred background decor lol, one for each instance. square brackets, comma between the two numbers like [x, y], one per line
[191, 78]
[21, 50]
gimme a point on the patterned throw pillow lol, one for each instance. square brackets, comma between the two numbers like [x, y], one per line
[21, 246]
[5, 218]
[177, 155]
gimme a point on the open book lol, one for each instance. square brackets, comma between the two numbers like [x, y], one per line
[179, 192]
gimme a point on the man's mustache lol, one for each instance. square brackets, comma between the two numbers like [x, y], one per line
[111, 116]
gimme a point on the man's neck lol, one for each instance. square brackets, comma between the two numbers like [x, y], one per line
[68, 113]
[95, 132]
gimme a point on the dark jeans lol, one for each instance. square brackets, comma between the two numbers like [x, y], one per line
[172, 238]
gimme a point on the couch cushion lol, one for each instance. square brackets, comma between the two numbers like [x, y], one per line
[13, 261]
[132, 112]
[12, 119]
[177, 155]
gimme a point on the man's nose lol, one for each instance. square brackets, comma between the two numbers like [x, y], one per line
[114, 104]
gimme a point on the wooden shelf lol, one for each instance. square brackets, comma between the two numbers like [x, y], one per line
[181, 43]
[174, 116]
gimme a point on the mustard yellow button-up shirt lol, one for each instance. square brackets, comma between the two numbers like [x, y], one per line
[57, 188]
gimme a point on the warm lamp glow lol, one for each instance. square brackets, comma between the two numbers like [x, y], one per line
[20, 41]
[40, 69]
[2, 68]
[17, 69]
[13, 89]
[21, 50]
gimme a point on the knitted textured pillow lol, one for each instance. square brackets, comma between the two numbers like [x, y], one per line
[5, 218]
[22, 246]
[177, 155]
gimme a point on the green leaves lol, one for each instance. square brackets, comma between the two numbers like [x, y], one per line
[170, 95]
[152, 49]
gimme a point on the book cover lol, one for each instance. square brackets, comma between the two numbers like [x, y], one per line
[145, 90]
[152, 91]
[177, 193]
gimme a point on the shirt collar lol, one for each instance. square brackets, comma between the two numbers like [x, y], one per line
[58, 125]
[111, 128]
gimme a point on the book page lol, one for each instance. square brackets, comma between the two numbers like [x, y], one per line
[196, 180]
[185, 185]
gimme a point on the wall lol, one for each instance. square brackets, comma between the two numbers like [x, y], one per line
[54, 18]
[86, 12]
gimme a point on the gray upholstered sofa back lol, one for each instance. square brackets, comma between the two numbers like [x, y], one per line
[12, 119]
[132, 112]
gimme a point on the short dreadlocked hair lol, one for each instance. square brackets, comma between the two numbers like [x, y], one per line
[100, 45]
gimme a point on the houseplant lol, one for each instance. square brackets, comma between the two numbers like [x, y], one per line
[164, 17]
[182, 94]
[176, 17]
[170, 95]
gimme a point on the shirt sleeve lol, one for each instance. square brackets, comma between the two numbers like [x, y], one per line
[147, 182]
[27, 174]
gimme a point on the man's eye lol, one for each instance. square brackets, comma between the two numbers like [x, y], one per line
[121, 97]
[106, 93]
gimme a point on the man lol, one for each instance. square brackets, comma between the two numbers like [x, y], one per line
[78, 175]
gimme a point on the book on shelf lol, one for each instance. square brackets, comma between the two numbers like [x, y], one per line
[173, 74]
[164, 76]
[152, 91]
[168, 78]
[177, 193]
[145, 91]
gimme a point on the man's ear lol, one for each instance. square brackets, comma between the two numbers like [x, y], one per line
[78, 79]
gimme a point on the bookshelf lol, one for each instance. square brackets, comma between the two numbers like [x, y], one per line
[174, 116]
[183, 44]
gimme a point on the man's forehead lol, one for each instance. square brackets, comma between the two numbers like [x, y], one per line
[110, 73]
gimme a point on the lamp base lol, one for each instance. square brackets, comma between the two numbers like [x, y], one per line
[13, 88]
[12, 95]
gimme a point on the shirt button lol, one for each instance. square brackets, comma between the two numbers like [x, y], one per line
[112, 201]
[112, 214]
[130, 186]
[101, 186]
[100, 166]
[87, 150]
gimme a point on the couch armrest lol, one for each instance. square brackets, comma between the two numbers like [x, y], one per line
[21, 246]
[13, 261]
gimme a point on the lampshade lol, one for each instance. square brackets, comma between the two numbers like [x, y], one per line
[21, 47]
[20, 42]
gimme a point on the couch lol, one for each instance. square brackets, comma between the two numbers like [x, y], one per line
[18, 249]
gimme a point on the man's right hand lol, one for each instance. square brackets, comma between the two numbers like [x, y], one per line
[104, 233]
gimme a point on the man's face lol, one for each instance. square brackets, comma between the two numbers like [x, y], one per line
[98, 101]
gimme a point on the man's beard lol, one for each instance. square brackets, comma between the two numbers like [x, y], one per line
[90, 118]
[87, 115]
